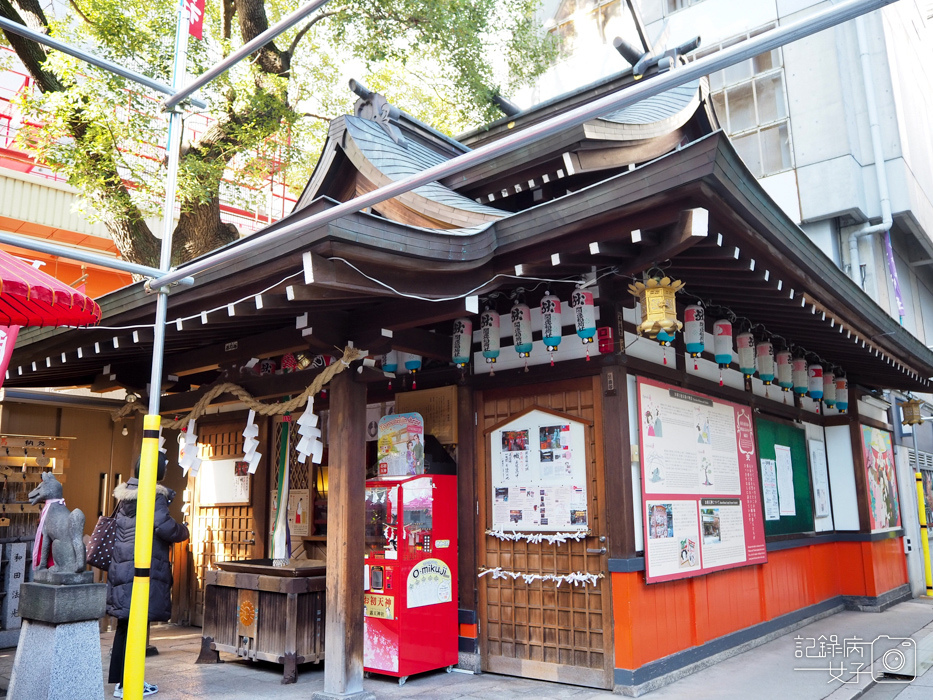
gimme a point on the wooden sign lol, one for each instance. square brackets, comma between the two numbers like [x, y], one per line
[437, 406]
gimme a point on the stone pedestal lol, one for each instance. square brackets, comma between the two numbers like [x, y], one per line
[58, 656]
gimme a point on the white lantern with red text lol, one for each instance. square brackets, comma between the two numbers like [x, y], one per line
[764, 357]
[829, 388]
[745, 349]
[785, 377]
[842, 394]
[799, 373]
[694, 330]
[722, 342]
[815, 381]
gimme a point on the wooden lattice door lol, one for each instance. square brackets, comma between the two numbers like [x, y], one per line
[538, 629]
[219, 533]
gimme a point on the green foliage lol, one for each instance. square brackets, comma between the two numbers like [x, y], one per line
[439, 60]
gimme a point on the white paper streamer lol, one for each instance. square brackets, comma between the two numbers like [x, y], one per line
[557, 538]
[310, 436]
[251, 442]
[188, 459]
[577, 578]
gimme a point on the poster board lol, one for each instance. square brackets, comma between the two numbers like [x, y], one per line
[881, 481]
[223, 482]
[699, 483]
[438, 408]
[299, 513]
[786, 446]
[400, 447]
[538, 481]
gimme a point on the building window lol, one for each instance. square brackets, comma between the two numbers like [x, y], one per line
[751, 102]
[653, 10]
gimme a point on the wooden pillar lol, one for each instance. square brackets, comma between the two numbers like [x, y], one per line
[466, 498]
[343, 640]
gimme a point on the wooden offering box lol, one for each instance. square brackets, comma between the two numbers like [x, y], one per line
[259, 611]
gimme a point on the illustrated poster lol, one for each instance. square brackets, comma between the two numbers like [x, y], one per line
[703, 509]
[539, 474]
[299, 512]
[882, 482]
[401, 445]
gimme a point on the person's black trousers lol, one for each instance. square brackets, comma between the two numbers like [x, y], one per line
[118, 652]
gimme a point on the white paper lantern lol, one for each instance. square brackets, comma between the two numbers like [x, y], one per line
[764, 356]
[815, 381]
[799, 372]
[829, 388]
[390, 361]
[550, 321]
[722, 342]
[745, 347]
[489, 335]
[842, 394]
[785, 377]
[521, 329]
[694, 330]
[462, 341]
[584, 314]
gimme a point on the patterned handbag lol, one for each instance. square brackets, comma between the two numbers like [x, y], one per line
[100, 548]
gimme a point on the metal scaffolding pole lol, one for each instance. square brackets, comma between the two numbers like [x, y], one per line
[829, 17]
[39, 37]
[244, 51]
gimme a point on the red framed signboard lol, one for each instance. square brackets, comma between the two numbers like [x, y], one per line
[699, 483]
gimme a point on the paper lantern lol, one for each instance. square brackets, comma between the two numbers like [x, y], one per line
[289, 363]
[695, 330]
[785, 377]
[550, 321]
[829, 388]
[745, 347]
[584, 314]
[722, 342]
[462, 342]
[521, 329]
[799, 374]
[658, 307]
[842, 394]
[489, 335]
[764, 356]
[410, 361]
[815, 381]
[390, 361]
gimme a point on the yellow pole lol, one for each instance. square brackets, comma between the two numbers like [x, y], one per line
[924, 540]
[134, 669]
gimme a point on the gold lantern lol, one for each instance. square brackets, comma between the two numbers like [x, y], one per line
[911, 411]
[658, 306]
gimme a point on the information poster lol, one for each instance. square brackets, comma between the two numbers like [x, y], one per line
[401, 445]
[299, 512]
[820, 473]
[882, 482]
[703, 509]
[785, 480]
[539, 474]
[769, 489]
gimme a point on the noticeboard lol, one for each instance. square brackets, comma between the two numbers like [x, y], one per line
[699, 483]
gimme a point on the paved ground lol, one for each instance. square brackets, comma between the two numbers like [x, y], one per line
[768, 671]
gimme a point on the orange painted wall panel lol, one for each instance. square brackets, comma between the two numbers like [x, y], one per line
[655, 621]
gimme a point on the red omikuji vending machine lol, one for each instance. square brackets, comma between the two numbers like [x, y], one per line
[410, 589]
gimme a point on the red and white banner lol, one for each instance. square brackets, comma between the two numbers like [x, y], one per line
[195, 17]
[8, 336]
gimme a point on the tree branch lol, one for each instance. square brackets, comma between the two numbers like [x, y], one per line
[304, 30]
[80, 13]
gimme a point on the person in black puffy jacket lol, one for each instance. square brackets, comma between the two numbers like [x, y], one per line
[122, 566]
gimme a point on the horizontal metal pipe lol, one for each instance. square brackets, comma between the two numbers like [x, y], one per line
[241, 53]
[41, 38]
[833, 15]
[41, 246]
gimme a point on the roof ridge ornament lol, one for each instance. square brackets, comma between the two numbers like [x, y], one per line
[375, 107]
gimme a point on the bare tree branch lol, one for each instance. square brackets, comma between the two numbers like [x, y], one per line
[304, 30]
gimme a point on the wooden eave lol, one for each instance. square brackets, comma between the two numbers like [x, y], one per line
[344, 304]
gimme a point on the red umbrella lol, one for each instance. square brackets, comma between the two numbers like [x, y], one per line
[30, 297]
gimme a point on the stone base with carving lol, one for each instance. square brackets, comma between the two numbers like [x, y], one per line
[58, 656]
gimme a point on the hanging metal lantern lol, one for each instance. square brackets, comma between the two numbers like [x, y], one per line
[584, 314]
[842, 394]
[521, 329]
[722, 342]
[695, 330]
[815, 381]
[912, 412]
[764, 356]
[829, 388]
[658, 307]
[462, 342]
[799, 373]
[489, 335]
[745, 348]
[550, 321]
[785, 377]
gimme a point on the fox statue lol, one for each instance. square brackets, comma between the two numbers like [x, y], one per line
[60, 531]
